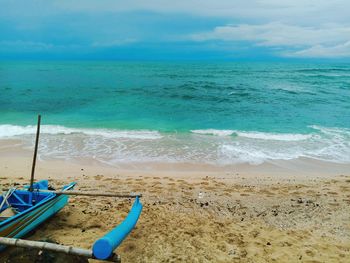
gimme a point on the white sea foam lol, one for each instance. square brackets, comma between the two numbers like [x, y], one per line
[255, 134]
[252, 155]
[331, 130]
[225, 147]
[8, 131]
[214, 132]
[275, 136]
[327, 144]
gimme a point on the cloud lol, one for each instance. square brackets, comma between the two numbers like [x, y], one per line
[277, 34]
[24, 46]
[330, 38]
[288, 28]
[252, 9]
[114, 43]
[313, 11]
[320, 51]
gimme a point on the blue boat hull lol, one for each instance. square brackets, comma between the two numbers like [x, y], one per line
[33, 208]
[29, 219]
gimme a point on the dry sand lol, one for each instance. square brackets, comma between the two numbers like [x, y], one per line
[200, 216]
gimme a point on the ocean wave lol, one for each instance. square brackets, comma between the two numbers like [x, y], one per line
[275, 136]
[254, 155]
[330, 145]
[330, 130]
[222, 147]
[214, 132]
[8, 131]
[255, 134]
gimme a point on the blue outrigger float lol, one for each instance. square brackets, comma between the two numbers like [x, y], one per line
[23, 210]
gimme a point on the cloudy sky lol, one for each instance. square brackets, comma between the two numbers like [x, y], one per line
[182, 29]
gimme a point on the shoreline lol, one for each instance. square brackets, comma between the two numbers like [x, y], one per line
[198, 213]
[12, 149]
[206, 147]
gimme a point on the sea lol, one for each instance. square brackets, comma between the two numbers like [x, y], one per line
[219, 113]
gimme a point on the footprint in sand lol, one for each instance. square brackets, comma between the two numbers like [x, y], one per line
[346, 201]
[332, 193]
[98, 177]
[209, 188]
[107, 179]
[181, 181]
[333, 204]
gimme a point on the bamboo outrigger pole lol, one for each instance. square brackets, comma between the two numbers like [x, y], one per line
[35, 154]
[81, 252]
[96, 194]
[120, 195]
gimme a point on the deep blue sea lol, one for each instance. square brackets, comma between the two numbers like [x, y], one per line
[212, 112]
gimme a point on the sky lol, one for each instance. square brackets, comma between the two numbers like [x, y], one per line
[175, 30]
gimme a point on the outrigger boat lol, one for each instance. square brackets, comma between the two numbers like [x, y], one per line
[23, 210]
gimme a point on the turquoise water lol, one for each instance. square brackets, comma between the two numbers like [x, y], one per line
[184, 109]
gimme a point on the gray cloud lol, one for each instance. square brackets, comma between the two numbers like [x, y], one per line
[115, 43]
[332, 39]
[320, 51]
[278, 34]
[24, 45]
[299, 28]
[298, 11]
[311, 11]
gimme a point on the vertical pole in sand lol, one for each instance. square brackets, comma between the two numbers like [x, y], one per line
[35, 153]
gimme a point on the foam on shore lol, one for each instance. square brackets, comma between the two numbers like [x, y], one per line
[8, 131]
[215, 147]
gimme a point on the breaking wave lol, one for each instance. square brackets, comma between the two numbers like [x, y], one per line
[14, 130]
[255, 135]
[219, 147]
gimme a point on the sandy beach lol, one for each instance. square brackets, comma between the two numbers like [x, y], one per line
[231, 120]
[203, 215]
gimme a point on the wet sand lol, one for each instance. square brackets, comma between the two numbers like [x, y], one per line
[200, 215]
